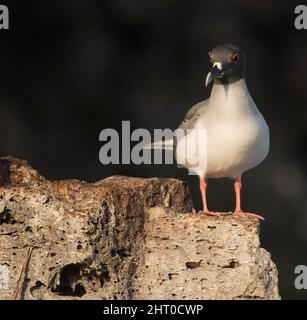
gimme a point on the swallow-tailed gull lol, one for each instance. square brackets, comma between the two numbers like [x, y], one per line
[237, 136]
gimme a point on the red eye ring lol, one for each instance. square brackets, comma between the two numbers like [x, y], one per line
[235, 58]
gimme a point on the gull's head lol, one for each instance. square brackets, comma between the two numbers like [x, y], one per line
[228, 64]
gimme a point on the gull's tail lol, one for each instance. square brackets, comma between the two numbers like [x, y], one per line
[163, 144]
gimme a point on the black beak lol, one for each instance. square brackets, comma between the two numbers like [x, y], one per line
[215, 73]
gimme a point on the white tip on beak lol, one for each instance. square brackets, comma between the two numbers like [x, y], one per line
[218, 64]
[215, 73]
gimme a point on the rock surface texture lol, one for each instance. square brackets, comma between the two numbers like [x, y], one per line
[122, 238]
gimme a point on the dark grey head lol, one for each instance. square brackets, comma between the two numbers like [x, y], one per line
[228, 64]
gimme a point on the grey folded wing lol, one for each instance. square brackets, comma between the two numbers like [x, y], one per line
[193, 114]
[191, 117]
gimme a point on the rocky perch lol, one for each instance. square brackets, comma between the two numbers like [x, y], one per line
[122, 238]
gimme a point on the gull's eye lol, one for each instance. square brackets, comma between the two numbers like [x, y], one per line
[235, 58]
[210, 57]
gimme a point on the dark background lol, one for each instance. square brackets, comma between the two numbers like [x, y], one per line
[72, 68]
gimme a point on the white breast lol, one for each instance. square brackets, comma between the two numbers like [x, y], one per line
[237, 136]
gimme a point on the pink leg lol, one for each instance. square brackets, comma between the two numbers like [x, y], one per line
[238, 185]
[203, 187]
[238, 210]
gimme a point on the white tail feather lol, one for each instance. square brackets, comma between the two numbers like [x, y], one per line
[163, 144]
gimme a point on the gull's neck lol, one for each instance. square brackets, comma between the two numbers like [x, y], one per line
[231, 98]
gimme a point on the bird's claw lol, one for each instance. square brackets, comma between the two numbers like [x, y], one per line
[213, 213]
[237, 213]
[248, 215]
